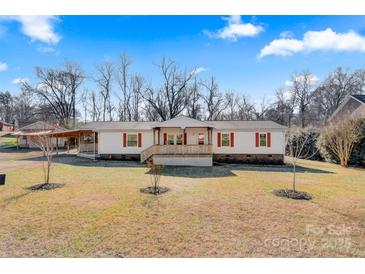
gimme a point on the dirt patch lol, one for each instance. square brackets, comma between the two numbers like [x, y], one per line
[152, 190]
[48, 186]
[291, 194]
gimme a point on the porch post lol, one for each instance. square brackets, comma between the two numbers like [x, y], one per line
[68, 145]
[159, 136]
[154, 136]
[56, 145]
[94, 144]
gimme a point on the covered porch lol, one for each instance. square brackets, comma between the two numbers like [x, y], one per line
[84, 140]
[180, 142]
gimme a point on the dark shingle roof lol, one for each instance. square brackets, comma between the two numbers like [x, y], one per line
[359, 97]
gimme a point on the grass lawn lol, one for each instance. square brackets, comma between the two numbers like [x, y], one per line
[222, 211]
[7, 141]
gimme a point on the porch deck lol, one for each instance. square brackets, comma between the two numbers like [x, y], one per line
[176, 150]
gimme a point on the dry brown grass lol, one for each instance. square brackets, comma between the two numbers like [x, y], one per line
[209, 212]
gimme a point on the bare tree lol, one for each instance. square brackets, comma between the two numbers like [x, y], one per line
[6, 107]
[44, 142]
[124, 81]
[246, 110]
[331, 93]
[104, 80]
[95, 107]
[341, 137]
[297, 140]
[214, 101]
[57, 89]
[194, 106]
[302, 89]
[84, 98]
[232, 102]
[171, 98]
[138, 84]
[261, 111]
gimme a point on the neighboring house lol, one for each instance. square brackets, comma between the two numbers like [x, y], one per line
[353, 106]
[4, 126]
[40, 126]
[183, 141]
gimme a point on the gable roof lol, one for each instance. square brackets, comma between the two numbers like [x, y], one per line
[41, 126]
[246, 125]
[183, 122]
[359, 97]
[118, 125]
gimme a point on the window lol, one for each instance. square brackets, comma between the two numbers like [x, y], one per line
[132, 140]
[201, 138]
[170, 139]
[262, 139]
[179, 139]
[225, 139]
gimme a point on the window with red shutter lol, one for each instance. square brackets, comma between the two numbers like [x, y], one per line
[139, 139]
[232, 139]
[269, 139]
[219, 139]
[124, 139]
[257, 139]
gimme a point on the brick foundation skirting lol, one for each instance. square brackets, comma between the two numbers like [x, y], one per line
[249, 158]
[122, 157]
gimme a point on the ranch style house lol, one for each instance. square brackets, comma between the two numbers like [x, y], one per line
[181, 141]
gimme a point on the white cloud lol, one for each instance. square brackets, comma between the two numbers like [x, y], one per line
[315, 40]
[39, 28]
[19, 80]
[199, 70]
[43, 49]
[3, 66]
[313, 79]
[236, 29]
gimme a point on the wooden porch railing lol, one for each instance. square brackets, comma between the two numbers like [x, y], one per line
[88, 147]
[175, 150]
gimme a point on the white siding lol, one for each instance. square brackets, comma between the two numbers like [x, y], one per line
[112, 142]
[245, 143]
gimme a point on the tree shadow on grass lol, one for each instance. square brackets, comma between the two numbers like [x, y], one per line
[73, 160]
[196, 172]
[227, 170]
[14, 198]
[276, 168]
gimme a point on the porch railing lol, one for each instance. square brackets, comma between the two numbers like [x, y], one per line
[175, 150]
[88, 147]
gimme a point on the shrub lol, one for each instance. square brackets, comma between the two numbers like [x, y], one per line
[343, 142]
[310, 151]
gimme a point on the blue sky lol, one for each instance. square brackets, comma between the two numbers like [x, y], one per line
[254, 55]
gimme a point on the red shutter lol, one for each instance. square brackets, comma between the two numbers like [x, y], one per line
[219, 139]
[268, 139]
[165, 138]
[232, 139]
[124, 139]
[257, 139]
[139, 139]
[185, 138]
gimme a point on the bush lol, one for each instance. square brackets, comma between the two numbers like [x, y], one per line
[310, 150]
[337, 133]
